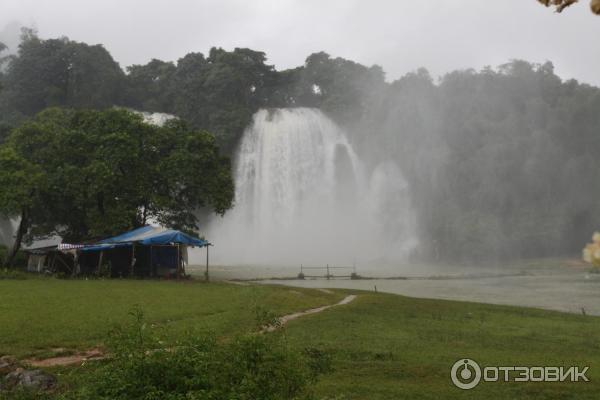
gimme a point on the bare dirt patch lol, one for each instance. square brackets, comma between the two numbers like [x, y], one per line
[78, 358]
[287, 318]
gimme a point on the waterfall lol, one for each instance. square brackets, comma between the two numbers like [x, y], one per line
[303, 196]
[8, 227]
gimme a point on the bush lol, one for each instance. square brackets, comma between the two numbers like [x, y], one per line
[3, 254]
[12, 274]
[249, 367]
[20, 260]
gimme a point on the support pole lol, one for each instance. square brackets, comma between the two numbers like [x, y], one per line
[151, 264]
[183, 261]
[206, 277]
[327, 271]
[132, 259]
[178, 264]
[76, 267]
[99, 263]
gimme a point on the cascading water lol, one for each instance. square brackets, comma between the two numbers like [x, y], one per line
[8, 228]
[302, 196]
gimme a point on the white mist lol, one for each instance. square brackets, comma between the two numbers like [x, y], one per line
[303, 197]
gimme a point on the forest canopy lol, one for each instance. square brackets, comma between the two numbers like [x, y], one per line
[493, 158]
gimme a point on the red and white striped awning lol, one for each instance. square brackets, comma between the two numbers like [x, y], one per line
[68, 246]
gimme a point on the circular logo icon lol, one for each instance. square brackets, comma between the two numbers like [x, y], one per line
[465, 374]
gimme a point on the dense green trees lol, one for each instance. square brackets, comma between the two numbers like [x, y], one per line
[58, 72]
[149, 86]
[222, 92]
[218, 93]
[90, 174]
[340, 87]
[501, 162]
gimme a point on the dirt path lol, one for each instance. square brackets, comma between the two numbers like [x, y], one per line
[97, 354]
[287, 318]
[61, 361]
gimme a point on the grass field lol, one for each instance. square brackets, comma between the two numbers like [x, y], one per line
[394, 347]
[37, 315]
[383, 346]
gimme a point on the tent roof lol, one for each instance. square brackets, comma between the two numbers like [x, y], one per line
[155, 235]
[147, 235]
[131, 236]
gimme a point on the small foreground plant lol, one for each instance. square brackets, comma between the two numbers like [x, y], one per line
[248, 367]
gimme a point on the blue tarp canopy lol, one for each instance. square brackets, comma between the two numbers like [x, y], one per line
[147, 235]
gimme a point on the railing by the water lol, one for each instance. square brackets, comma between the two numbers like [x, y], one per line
[311, 272]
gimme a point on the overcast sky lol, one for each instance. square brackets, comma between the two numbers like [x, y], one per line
[399, 35]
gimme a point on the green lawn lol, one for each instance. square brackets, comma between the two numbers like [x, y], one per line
[37, 315]
[395, 347]
[383, 346]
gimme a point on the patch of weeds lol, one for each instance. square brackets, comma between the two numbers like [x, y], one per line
[251, 366]
[7, 273]
[264, 318]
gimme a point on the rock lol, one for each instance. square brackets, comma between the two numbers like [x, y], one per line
[12, 379]
[7, 365]
[30, 379]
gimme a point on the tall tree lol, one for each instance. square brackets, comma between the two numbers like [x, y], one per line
[342, 87]
[21, 184]
[91, 174]
[218, 93]
[149, 87]
[221, 92]
[60, 72]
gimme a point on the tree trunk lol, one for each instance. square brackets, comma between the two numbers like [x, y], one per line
[21, 231]
[145, 214]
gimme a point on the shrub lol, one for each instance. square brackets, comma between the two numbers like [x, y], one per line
[249, 367]
[3, 253]
[19, 261]
[12, 274]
